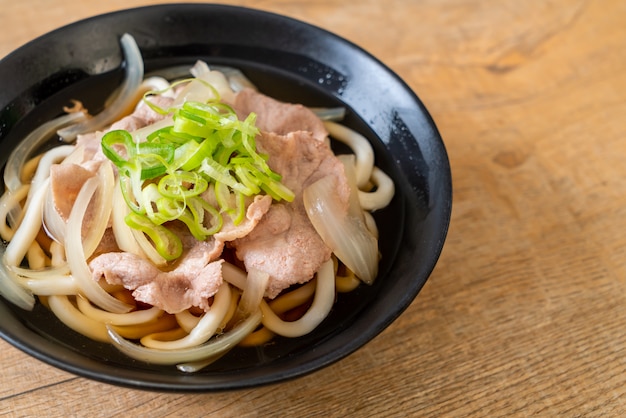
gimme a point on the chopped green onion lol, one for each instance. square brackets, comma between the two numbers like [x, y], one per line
[163, 178]
[182, 185]
[165, 241]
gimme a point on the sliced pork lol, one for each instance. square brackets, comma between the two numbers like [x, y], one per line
[277, 238]
[191, 283]
[278, 117]
[285, 243]
[66, 180]
[142, 116]
[197, 275]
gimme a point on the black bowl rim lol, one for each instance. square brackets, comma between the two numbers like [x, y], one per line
[14, 334]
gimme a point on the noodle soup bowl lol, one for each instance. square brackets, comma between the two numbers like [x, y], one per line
[291, 61]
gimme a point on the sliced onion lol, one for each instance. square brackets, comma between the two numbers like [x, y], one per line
[333, 114]
[28, 229]
[234, 275]
[346, 235]
[11, 289]
[204, 88]
[124, 100]
[322, 304]
[237, 80]
[42, 174]
[10, 202]
[124, 236]
[76, 253]
[102, 205]
[59, 285]
[252, 295]
[53, 222]
[34, 140]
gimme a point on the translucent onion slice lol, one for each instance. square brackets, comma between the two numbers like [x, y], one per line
[217, 79]
[346, 235]
[322, 304]
[207, 84]
[102, 208]
[333, 114]
[34, 140]
[11, 289]
[45, 273]
[124, 236]
[124, 100]
[53, 222]
[234, 275]
[42, 174]
[55, 285]
[214, 347]
[252, 295]
[29, 228]
[76, 253]
[9, 202]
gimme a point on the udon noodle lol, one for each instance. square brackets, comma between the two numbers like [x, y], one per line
[49, 257]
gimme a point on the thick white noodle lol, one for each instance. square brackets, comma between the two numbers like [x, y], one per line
[205, 329]
[68, 314]
[361, 148]
[35, 256]
[130, 318]
[294, 298]
[322, 304]
[383, 194]
[186, 320]
[214, 347]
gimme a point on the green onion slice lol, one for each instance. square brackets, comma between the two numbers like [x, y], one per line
[164, 178]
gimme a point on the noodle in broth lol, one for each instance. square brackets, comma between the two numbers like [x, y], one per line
[49, 254]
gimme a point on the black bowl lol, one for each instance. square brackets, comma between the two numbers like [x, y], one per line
[291, 61]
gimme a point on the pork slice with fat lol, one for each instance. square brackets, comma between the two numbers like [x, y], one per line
[285, 243]
[276, 116]
[192, 282]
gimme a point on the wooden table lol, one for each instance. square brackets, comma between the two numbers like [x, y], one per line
[525, 312]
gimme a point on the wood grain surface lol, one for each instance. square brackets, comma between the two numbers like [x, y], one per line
[525, 313]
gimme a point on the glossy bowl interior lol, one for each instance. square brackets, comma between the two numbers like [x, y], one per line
[286, 59]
